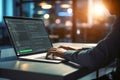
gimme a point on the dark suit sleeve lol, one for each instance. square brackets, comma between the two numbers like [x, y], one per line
[91, 58]
[106, 51]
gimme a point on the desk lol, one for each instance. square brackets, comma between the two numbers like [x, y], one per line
[27, 70]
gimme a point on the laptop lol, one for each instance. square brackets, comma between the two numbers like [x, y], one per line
[29, 38]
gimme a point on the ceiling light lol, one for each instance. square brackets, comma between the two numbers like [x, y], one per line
[65, 6]
[48, 6]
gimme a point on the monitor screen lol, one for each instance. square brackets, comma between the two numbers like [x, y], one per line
[28, 35]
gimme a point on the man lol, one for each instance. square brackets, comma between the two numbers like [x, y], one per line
[107, 50]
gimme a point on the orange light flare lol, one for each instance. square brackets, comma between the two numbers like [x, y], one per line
[99, 11]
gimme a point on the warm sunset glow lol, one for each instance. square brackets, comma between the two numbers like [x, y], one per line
[96, 11]
[99, 10]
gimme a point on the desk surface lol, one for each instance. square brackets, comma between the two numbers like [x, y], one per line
[29, 70]
[26, 70]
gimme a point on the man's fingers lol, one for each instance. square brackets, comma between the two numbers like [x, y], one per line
[64, 47]
[47, 55]
[53, 56]
[51, 52]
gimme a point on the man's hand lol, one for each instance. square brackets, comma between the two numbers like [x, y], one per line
[59, 52]
[69, 48]
[56, 52]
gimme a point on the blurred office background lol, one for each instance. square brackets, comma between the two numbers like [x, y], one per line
[85, 21]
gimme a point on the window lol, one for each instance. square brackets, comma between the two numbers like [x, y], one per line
[9, 7]
[6, 8]
[1, 10]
